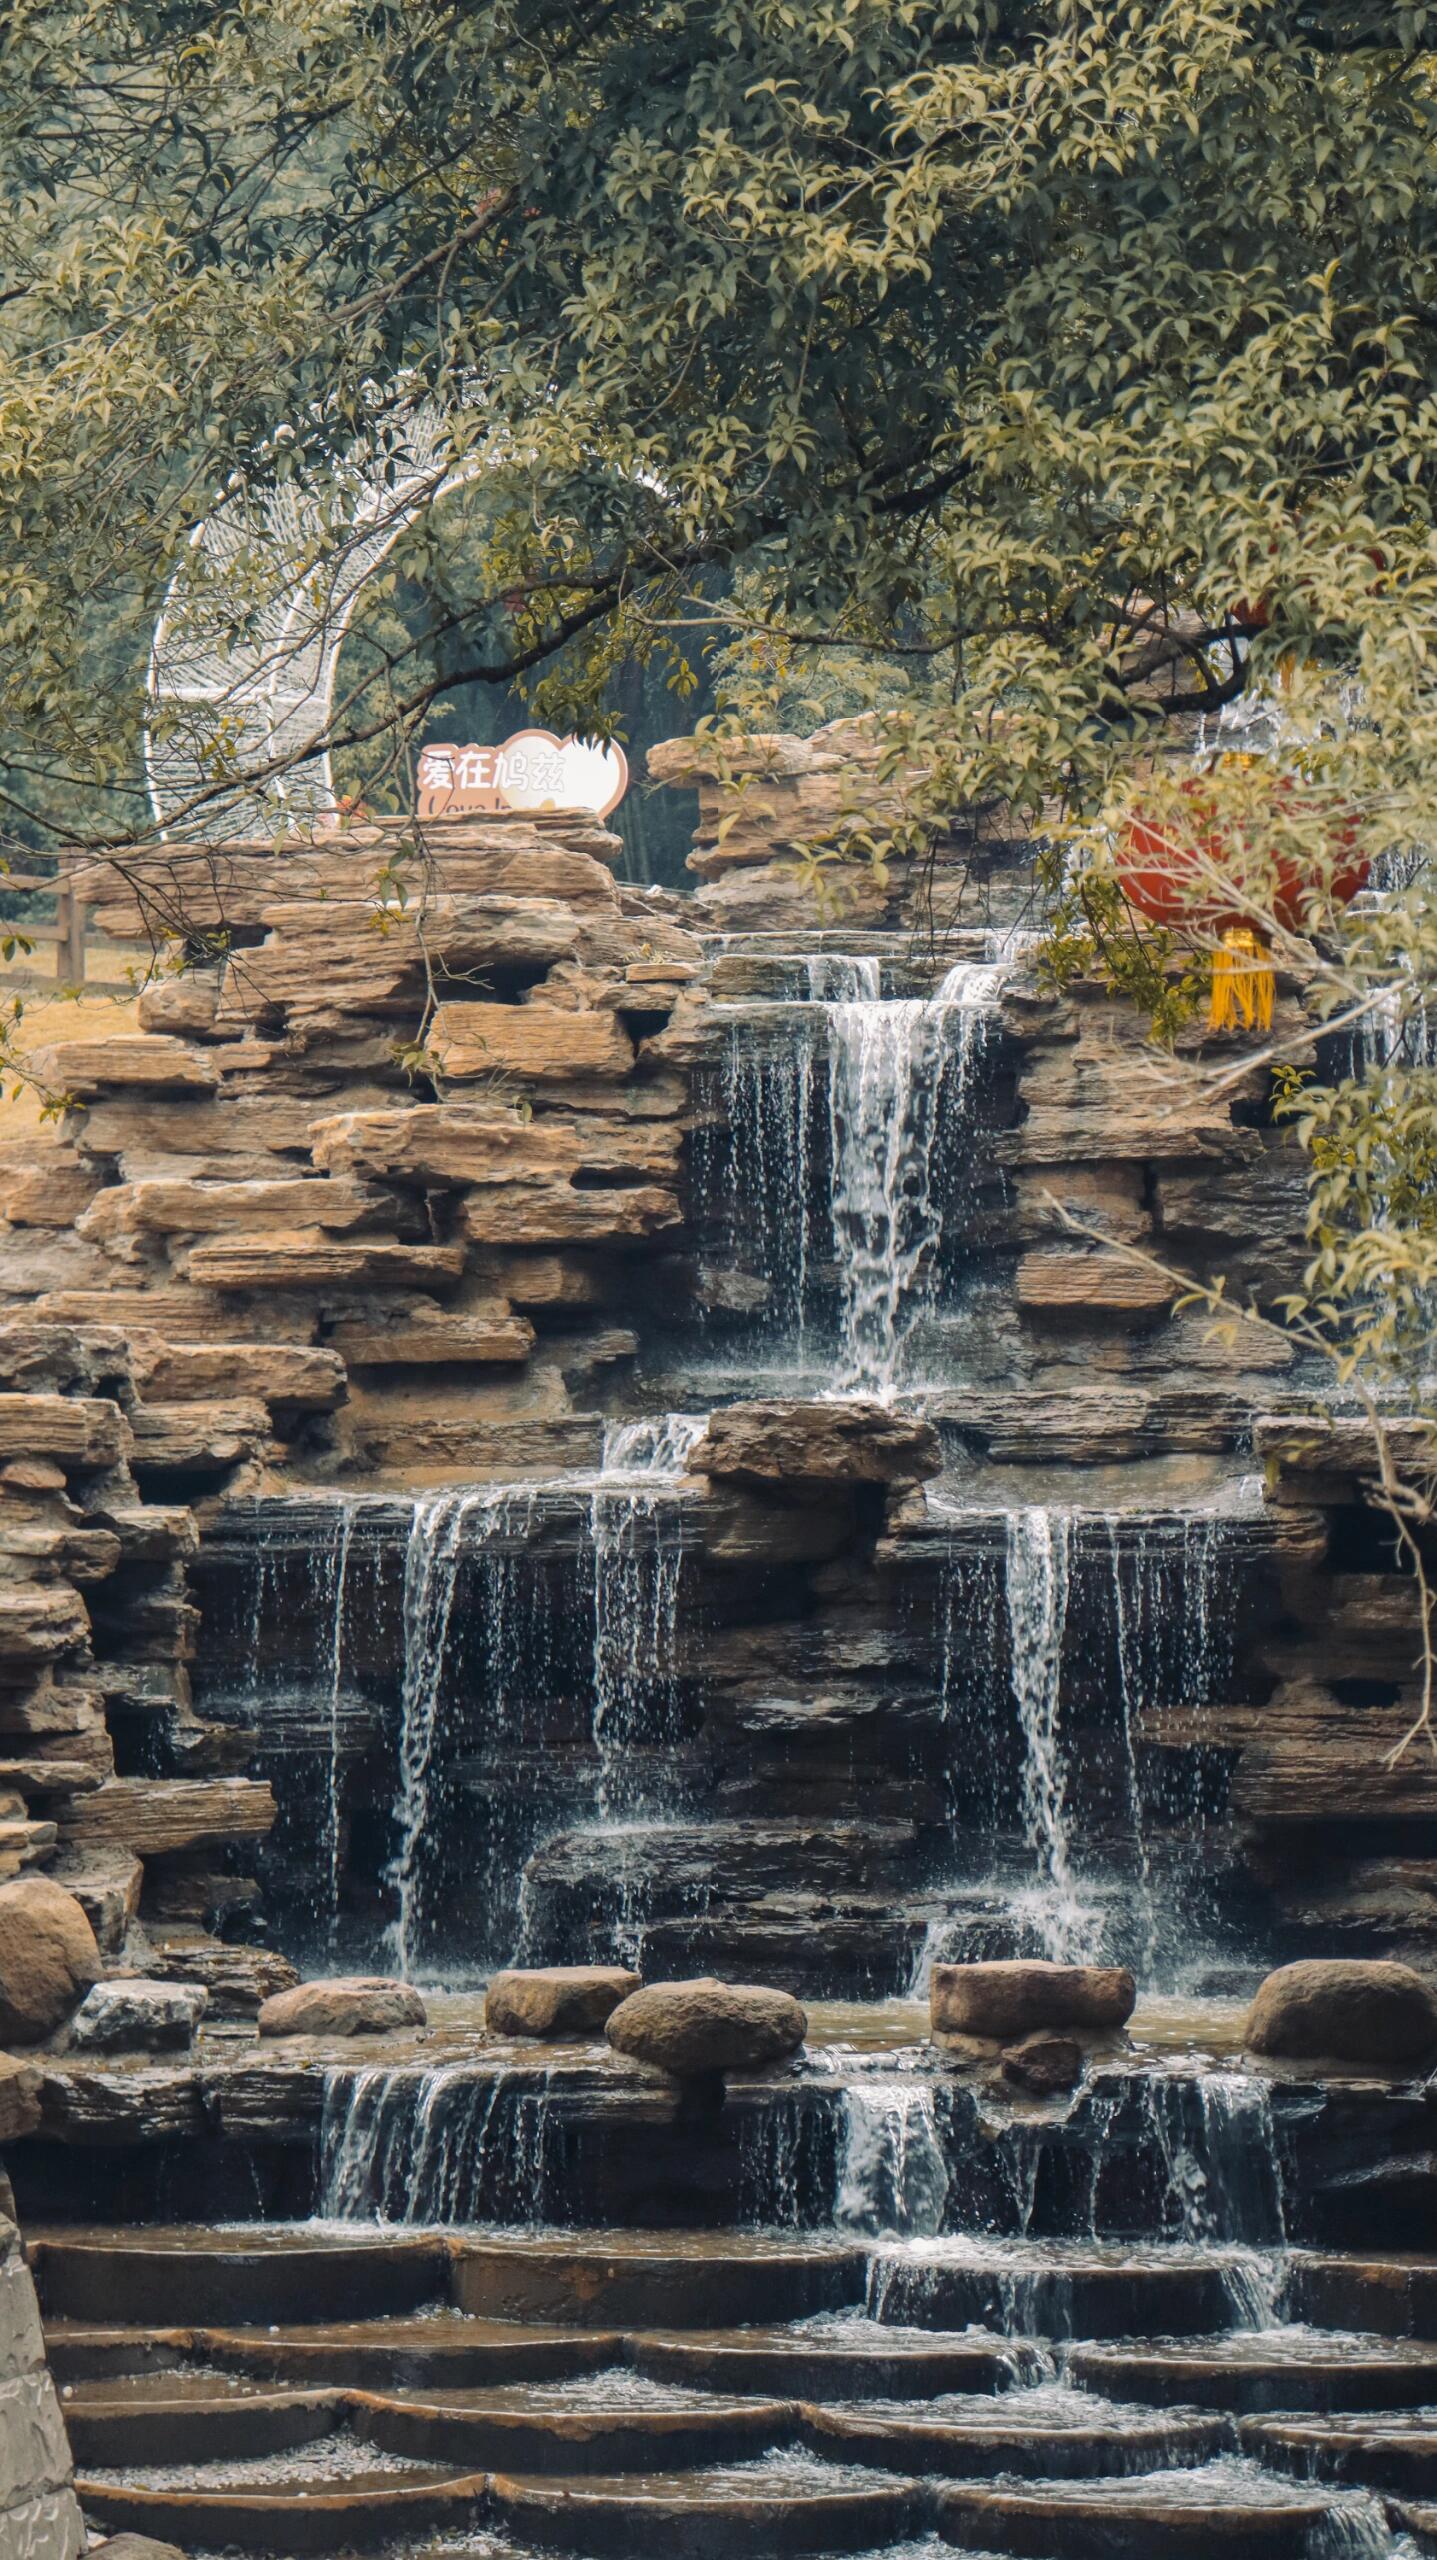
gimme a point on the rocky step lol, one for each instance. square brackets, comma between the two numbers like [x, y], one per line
[1059, 2289]
[787, 2503]
[1227, 2510]
[861, 1948]
[273, 2275]
[854, 2360]
[1393, 2453]
[436, 2352]
[1395, 2295]
[1258, 2370]
[181, 2274]
[1042, 2434]
[343, 2507]
[741, 980]
[187, 2420]
[698, 2280]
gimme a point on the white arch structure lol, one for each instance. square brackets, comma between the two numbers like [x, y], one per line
[246, 650]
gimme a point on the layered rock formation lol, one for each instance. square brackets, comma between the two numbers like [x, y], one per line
[406, 1167]
[771, 804]
[364, 1187]
[113, 1784]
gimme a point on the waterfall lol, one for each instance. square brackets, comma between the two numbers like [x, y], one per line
[444, 1529]
[1130, 1702]
[888, 1064]
[338, 1574]
[892, 2173]
[1039, 1543]
[1217, 2138]
[899, 1077]
[637, 1555]
[431, 2143]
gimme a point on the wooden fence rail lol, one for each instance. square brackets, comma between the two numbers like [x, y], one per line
[70, 930]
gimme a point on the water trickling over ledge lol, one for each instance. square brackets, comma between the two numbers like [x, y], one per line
[846, 1119]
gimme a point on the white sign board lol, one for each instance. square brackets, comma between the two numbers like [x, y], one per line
[531, 770]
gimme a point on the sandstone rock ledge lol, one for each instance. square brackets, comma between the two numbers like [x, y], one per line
[96, 1633]
[367, 1187]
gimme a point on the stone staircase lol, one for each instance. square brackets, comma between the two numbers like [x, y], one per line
[295, 2389]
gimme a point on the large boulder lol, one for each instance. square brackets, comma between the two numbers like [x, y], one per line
[694, 2029]
[856, 1442]
[556, 2000]
[48, 1958]
[361, 2004]
[133, 2016]
[1377, 2016]
[1016, 1999]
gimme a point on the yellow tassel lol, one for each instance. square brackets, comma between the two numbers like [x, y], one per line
[1243, 985]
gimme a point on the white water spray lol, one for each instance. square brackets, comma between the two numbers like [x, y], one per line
[892, 2172]
[1039, 1543]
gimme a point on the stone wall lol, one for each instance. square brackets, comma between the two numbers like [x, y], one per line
[767, 804]
[39, 2514]
[365, 1190]
[111, 1782]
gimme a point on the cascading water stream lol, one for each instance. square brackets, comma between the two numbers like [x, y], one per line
[1216, 2136]
[895, 1066]
[431, 2143]
[333, 1811]
[444, 1529]
[1130, 1701]
[1037, 1591]
[892, 2172]
[900, 1075]
[637, 1555]
[636, 1580]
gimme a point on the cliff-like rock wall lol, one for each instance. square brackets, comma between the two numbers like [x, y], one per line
[364, 1189]
[401, 1184]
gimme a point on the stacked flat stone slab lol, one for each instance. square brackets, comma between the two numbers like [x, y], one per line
[96, 1633]
[796, 795]
[364, 1189]
[39, 2513]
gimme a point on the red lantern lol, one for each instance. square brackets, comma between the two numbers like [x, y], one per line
[1170, 878]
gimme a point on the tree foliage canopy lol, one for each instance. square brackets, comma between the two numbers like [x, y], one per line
[984, 356]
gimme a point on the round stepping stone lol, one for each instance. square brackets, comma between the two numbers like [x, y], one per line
[296, 2518]
[1197, 2515]
[676, 2279]
[1063, 2290]
[816, 2364]
[1395, 2295]
[165, 2426]
[711, 2515]
[544, 2438]
[1390, 2453]
[1000, 2436]
[443, 2352]
[1264, 2369]
[170, 2275]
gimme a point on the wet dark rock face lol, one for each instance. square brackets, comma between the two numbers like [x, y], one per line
[807, 1766]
